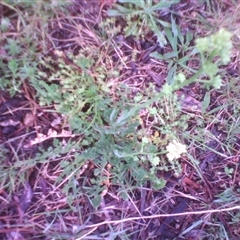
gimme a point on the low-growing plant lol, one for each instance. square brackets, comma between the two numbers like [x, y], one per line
[113, 136]
[23, 43]
[113, 139]
[111, 131]
[141, 17]
[181, 51]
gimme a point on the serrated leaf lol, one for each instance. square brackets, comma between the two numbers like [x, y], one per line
[159, 184]
[13, 66]
[154, 160]
[13, 46]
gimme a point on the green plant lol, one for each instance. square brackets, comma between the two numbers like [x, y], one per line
[181, 51]
[120, 138]
[112, 136]
[28, 38]
[141, 17]
[111, 131]
[217, 45]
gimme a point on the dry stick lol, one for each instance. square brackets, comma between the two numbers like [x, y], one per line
[86, 234]
[163, 215]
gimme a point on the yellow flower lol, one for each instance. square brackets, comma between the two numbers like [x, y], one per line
[175, 149]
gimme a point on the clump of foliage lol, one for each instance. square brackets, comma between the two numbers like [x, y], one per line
[112, 133]
[141, 17]
[113, 138]
[24, 40]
